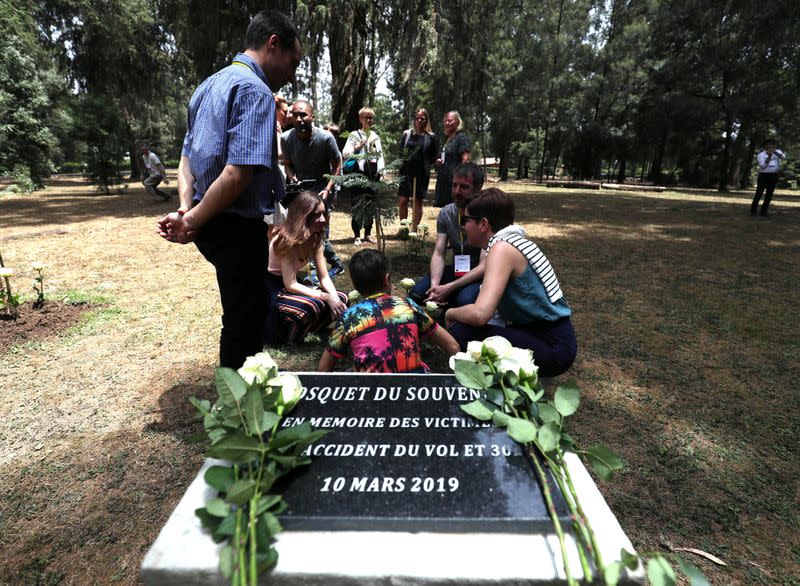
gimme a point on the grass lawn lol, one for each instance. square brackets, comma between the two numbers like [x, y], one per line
[689, 359]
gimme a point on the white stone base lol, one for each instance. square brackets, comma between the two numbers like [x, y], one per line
[184, 554]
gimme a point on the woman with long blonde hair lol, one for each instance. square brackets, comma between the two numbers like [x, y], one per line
[420, 148]
[296, 309]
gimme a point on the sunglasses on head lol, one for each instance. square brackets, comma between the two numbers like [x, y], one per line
[465, 218]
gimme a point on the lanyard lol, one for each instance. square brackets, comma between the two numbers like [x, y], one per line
[460, 232]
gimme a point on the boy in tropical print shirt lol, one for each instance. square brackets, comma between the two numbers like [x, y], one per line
[383, 330]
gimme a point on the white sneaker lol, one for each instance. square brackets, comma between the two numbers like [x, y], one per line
[357, 242]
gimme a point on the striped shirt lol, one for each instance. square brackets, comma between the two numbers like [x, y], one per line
[231, 121]
[536, 259]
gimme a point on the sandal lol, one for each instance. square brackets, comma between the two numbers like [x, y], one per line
[370, 238]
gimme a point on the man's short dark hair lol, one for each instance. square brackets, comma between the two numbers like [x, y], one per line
[470, 168]
[494, 205]
[368, 270]
[267, 23]
[769, 141]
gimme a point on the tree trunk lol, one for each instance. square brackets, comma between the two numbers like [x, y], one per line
[503, 172]
[550, 92]
[738, 152]
[751, 153]
[621, 170]
[654, 174]
[347, 48]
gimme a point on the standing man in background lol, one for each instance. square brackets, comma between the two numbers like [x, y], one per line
[155, 174]
[311, 153]
[769, 163]
[228, 178]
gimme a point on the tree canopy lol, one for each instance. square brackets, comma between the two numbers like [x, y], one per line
[664, 90]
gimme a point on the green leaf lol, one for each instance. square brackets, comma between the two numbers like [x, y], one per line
[217, 435]
[285, 461]
[660, 572]
[470, 374]
[495, 396]
[208, 521]
[273, 525]
[548, 437]
[567, 399]
[549, 414]
[567, 442]
[266, 560]
[291, 435]
[499, 418]
[241, 492]
[269, 419]
[696, 577]
[219, 477]
[230, 386]
[237, 448]
[479, 409]
[266, 502]
[611, 573]
[226, 528]
[300, 446]
[217, 507]
[603, 461]
[253, 412]
[521, 430]
[227, 559]
[629, 560]
[203, 407]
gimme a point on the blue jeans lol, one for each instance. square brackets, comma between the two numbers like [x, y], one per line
[463, 296]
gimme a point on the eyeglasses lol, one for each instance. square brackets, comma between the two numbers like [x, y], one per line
[465, 218]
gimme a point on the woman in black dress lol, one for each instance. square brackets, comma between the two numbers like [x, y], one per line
[421, 147]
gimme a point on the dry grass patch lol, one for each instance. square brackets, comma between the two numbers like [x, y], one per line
[685, 309]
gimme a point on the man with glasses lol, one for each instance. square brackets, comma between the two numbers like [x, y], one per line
[311, 153]
[458, 283]
[228, 178]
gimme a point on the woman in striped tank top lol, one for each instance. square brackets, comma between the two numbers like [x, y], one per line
[520, 298]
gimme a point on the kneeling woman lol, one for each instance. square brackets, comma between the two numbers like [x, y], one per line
[294, 309]
[520, 298]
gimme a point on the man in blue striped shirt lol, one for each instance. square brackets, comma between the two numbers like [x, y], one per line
[228, 178]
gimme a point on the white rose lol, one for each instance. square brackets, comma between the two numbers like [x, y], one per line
[459, 356]
[291, 389]
[404, 222]
[37, 266]
[407, 283]
[508, 364]
[412, 234]
[353, 296]
[474, 349]
[256, 368]
[496, 347]
[524, 357]
[431, 306]
[6, 271]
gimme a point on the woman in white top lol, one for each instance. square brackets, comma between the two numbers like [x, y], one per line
[367, 144]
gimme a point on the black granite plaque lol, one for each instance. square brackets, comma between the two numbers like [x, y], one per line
[402, 456]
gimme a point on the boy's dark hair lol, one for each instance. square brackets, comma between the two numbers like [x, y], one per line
[368, 269]
[267, 23]
[494, 205]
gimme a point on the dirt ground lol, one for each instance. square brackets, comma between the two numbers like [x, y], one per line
[689, 358]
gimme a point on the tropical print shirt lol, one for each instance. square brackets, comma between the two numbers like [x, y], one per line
[383, 333]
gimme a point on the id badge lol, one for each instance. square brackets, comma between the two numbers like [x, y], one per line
[461, 264]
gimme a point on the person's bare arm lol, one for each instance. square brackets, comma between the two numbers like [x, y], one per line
[437, 260]
[185, 184]
[500, 265]
[440, 293]
[442, 338]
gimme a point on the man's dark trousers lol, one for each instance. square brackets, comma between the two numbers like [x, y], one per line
[237, 247]
[766, 181]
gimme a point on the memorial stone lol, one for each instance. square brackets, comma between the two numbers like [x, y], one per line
[402, 456]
